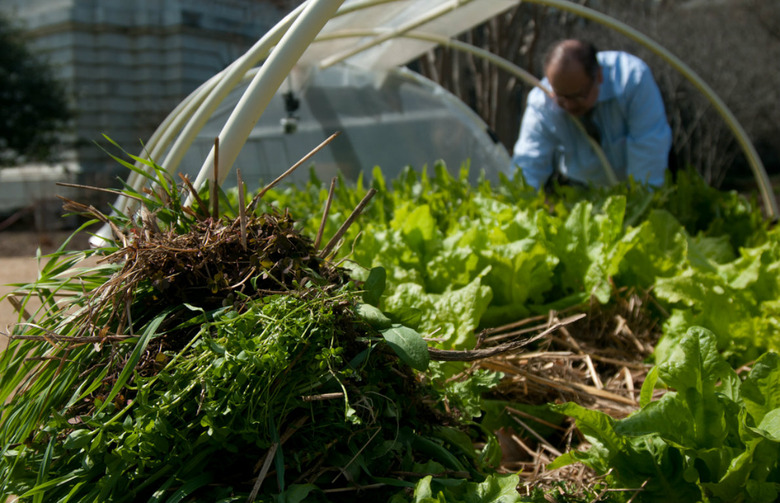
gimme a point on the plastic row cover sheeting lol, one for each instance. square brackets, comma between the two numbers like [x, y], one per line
[446, 18]
[390, 119]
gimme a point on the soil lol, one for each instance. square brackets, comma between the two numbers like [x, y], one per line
[18, 262]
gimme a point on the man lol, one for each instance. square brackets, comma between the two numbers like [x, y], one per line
[615, 98]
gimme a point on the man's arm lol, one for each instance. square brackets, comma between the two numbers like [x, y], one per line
[534, 149]
[649, 135]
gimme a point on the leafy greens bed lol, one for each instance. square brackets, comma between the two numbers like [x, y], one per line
[716, 437]
[460, 258]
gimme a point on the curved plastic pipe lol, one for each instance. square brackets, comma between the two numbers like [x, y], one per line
[188, 118]
[265, 84]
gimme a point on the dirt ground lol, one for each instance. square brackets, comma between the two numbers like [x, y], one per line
[18, 263]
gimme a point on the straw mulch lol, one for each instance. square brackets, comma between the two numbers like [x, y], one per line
[597, 359]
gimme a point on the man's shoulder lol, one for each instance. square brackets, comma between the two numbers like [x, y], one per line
[621, 61]
[540, 100]
[622, 72]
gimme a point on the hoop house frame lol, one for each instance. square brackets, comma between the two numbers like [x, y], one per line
[298, 37]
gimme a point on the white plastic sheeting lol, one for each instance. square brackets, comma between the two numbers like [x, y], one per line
[350, 82]
[368, 34]
[445, 18]
[388, 118]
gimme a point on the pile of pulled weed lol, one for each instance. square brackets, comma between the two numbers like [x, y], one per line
[215, 264]
[208, 359]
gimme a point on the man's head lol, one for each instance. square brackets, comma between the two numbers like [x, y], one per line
[574, 74]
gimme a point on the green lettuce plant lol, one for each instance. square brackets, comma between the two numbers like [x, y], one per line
[713, 437]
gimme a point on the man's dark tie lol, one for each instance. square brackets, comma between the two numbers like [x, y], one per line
[590, 126]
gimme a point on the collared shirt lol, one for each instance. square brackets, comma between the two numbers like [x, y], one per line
[631, 120]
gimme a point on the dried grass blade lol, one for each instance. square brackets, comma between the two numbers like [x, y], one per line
[115, 192]
[350, 220]
[538, 437]
[215, 184]
[480, 354]
[637, 493]
[517, 440]
[343, 469]
[514, 325]
[241, 207]
[539, 420]
[18, 307]
[366, 487]
[202, 207]
[592, 371]
[289, 171]
[269, 457]
[571, 342]
[625, 330]
[629, 380]
[578, 387]
[322, 397]
[638, 366]
[69, 205]
[69, 339]
[325, 213]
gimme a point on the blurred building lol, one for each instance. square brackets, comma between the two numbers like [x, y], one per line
[127, 64]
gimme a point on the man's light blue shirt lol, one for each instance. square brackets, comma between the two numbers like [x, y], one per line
[630, 117]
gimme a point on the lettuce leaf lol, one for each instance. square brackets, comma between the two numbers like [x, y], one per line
[451, 317]
[494, 489]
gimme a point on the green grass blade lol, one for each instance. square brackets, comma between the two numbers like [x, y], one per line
[189, 487]
[140, 347]
[161, 491]
[51, 484]
[43, 472]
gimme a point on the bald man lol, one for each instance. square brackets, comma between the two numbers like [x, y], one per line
[613, 94]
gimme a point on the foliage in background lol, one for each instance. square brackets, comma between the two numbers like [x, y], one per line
[35, 109]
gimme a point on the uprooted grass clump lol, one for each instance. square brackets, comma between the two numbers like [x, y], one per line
[216, 265]
[209, 266]
[208, 358]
